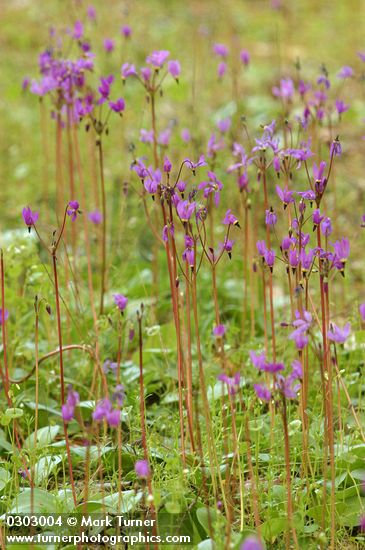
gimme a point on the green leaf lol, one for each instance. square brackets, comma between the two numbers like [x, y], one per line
[91, 507]
[4, 478]
[11, 414]
[349, 511]
[45, 436]
[205, 515]
[172, 507]
[273, 527]
[4, 444]
[45, 466]
[44, 502]
[128, 502]
[358, 474]
[206, 544]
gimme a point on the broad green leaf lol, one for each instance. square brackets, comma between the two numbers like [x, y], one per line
[128, 502]
[206, 544]
[45, 436]
[44, 502]
[45, 466]
[206, 516]
[4, 478]
[273, 527]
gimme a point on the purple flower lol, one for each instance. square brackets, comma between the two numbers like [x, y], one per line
[212, 186]
[91, 13]
[109, 365]
[251, 543]
[146, 136]
[219, 331]
[220, 49]
[194, 165]
[164, 137]
[270, 258]
[323, 80]
[300, 338]
[119, 394]
[293, 259]
[152, 182]
[108, 45]
[185, 135]
[181, 186]
[102, 408]
[185, 210]
[68, 408]
[258, 361]
[261, 248]
[78, 30]
[306, 259]
[126, 31]
[227, 245]
[189, 256]
[316, 217]
[307, 195]
[272, 367]
[285, 90]
[336, 149]
[245, 57]
[117, 106]
[284, 195]
[243, 181]
[3, 314]
[361, 309]
[95, 217]
[128, 70]
[303, 87]
[224, 125]
[25, 83]
[120, 301]
[286, 243]
[29, 217]
[165, 232]
[230, 219]
[214, 145]
[68, 412]
[104, 88]
[146, 73]
[157, 58]
[276, 165]
[73, 210]
[222, 68]
[287, 386]
[262, 392]
[303, 320]
[113, 417]
[73, 397]
[142, 468]
[345, 72]
[339, 335]
[270, 217]
[326, 227]
[341, 107]
[342, 249]
[167, 165]
[232, 382]
[297, 371]
[174, 69]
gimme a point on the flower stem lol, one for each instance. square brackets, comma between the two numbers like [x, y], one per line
[59, 330]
